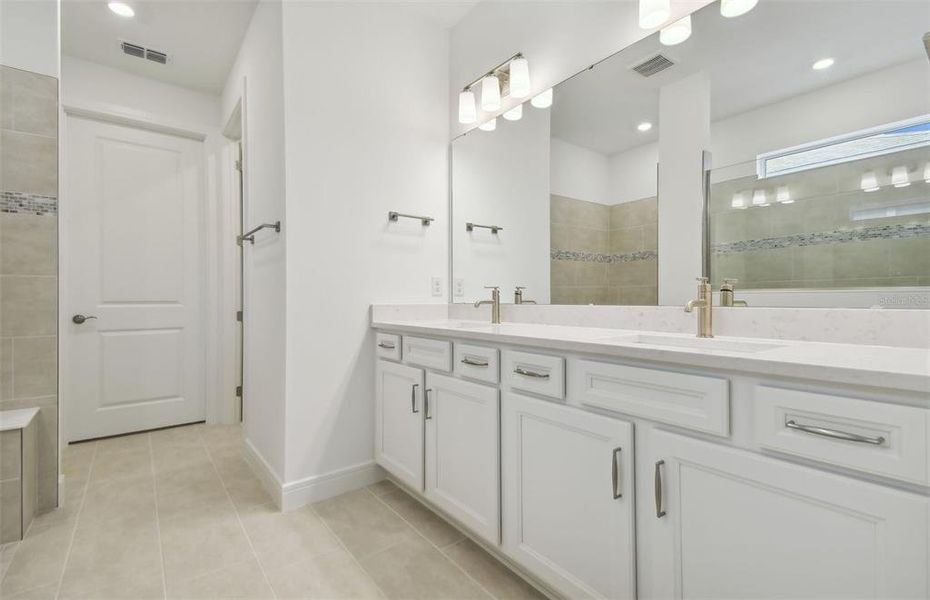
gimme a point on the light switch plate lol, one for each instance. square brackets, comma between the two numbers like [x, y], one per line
[435, 284]
[459, 289]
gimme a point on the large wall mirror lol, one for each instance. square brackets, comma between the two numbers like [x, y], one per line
[814, 189]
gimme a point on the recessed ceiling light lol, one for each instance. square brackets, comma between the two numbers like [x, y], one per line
[644, 126]
[122, 9]
[823, 63]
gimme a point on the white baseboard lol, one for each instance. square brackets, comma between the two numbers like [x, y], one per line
[320, 487]
[266, 474]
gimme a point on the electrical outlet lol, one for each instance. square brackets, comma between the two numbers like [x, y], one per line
[459, 289]
[435, 284]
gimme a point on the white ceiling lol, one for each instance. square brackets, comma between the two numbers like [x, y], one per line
[444, 13]
[757, 59]
[201, 37]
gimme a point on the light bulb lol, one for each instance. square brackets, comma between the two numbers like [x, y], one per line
[927, 172]
[519, 78]
[490, 94]
[644, 126]
[899, 177]
[759, 198]
[122, 9]
[738, 201]
[869, 182]
[543, 99]
[677, 32]
[823, 63]
[783, 195]
[488, 125]
[653, 13]
[467, 112]
[515, 113]
[735, 8]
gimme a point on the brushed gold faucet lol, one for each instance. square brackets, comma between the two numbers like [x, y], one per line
[495, 303]
[728, 294]
[705, 305]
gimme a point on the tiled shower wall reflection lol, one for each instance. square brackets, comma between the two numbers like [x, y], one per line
[603, 254]
[28, 259]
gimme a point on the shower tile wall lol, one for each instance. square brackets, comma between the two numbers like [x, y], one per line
[603, 254]
[28, 259]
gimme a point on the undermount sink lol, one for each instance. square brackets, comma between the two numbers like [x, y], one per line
[680, 341]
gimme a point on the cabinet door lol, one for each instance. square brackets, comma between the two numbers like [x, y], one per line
[463, 452]
[399, 422]
[568, 497]
[740, 525]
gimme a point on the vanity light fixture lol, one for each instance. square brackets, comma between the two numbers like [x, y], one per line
[490, 93]
[783, 195]
[759, 198]
[467, 112]
[122, 9]
[869, 182]
[899, 177]
[738, 201]
[677, 32]
[519, 78]
[927, 172]
[735, 8]
[644, 126]
[488, 125]
[653, 13]
[823, 63]
[515, 113]
[543, 99]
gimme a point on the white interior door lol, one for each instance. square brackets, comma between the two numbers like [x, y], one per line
[133, 258]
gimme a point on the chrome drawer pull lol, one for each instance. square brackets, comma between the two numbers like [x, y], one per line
[474, 363]
[525, 373]
[386, 346]
[836, 435]
[658, 490]
[413, 398]
[427, 413]
[615, 472]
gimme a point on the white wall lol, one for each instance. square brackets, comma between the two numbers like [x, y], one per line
[502, 178]
[29, 35]
[366, 100]
[632, 174]
[258, 77]
[578, 173]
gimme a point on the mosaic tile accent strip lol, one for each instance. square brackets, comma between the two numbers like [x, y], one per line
[839, 236]
[28, 204]
[600, 257]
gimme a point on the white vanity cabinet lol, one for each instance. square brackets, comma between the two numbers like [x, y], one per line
[568, 497]
[463, 452]
[399, 421]
[733, 524]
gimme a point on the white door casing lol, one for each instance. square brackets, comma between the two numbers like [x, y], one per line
[399, 422]
[133, 255]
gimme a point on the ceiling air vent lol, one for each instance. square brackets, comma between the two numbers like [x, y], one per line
[133, 50]
[156, 56]
[652, 66]
[143, 52]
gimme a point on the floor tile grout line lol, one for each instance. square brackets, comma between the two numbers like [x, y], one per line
[77, 520]
[238, 516]
[430, 542]
[161, 546]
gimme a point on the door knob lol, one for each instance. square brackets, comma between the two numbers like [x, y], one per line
[79, 319]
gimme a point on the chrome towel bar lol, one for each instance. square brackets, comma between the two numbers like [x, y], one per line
[250, 235]
[394, 215]
[473, 226]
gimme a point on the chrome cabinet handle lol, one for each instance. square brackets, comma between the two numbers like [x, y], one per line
[80, 319]
[658, 485]
[474, 363]
[836, 435]
[413, 398]
[615, 472]
[525, 373]
[386, 346]
[426, 411]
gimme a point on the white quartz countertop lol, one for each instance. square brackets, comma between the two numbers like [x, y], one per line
[17, 419]
[905, 369]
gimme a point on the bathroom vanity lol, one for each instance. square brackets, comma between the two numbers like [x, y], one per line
[638, 464]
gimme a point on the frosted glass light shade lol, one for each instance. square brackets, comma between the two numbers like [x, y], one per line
[490, 94]
[677, 32]
[488, 125]
[869, 182]
[738, 201]
[783, 195]
[519, 78]
[759, 198]
[515, 113]
[899, 177]
[467, 112]
[927, 172]
[543, 99]
[735, 8]
[122, 9]
[653, 13]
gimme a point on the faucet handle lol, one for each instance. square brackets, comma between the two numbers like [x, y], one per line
[492, 287]
[520, 287]
[730, 281]
[701, 279]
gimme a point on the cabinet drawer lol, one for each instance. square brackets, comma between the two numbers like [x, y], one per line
[536, 373]
[387, 345]
[877, 438]
[477, 362]
[691, 401]
[434, 354]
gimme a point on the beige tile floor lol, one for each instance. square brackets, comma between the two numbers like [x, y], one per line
[178, 513]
